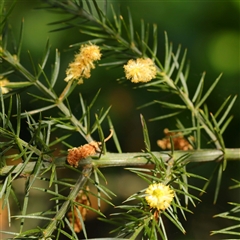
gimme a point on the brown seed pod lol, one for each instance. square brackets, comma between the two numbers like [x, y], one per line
[90, 149]
[73, 215]
[180, 143]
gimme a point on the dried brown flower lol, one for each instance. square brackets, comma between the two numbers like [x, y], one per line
[78, 153]
[179, 142]
[73, 216]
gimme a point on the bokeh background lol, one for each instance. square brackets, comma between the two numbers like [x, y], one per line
[210, 32]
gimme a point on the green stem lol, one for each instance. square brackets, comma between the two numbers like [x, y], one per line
[80, 128]
[168, 80]
[65, 111]
[86, 173]
[139, 159]
[89, 17]
[140, 228]
[134, 159]
[191, 107]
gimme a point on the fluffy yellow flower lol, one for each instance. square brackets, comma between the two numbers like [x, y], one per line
[83, 63]
[140, 70]
[159, 196]
[3, 83]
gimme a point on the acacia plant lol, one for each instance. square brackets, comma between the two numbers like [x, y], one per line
[36, 159]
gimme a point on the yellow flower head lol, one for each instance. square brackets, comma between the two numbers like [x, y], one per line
[3, 83]
[159, 196]
[83, 63]
[140, 70]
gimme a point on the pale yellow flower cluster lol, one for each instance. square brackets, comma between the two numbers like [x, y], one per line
[159, 196]
[83, 63]
[4, 82]
[140, 70]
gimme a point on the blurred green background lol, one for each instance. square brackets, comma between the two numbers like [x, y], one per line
[210, 32]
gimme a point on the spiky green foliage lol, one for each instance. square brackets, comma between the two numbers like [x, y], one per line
[37, 159]
[233, 215]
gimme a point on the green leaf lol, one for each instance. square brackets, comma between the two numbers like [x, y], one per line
[146, 105]
[32, 64]
[66, 126]
[65, 27]
[71, 225]
[25, 203]
[18, 104]
[235, 186]
[31, 217]
[9, 109]
[115, 138]
[145, 134]
[99, 12]
[56, 68]
[100, 120]
[109, 238]
[223, 128]
[36, 171]
[31, 232]
[131, 28]
[112, 63]
[79, 215]
[39, 110]
[102, 189]
[127, 30]
[208, 92]
[61, 21]
[2, 113]
[10, 233]
[101, 135]
[46, 78]
[173, 218]
[179, 73]
[20, 40]
[171, 105]
[94, 40]
[218, 132]
[168, 54]
[116, 21]
[84, 112]
[60, 196]
[5, 14]
[44, 60]
[155, 40]
[68, 90]
[3, 187]
[41, 98]
[165, 116]
[58, 140]
[226, 111]
[198, 94]
[19, 84]
[218, 184]
[227, 230]
[60, 230]
[23, 165]
[94, 34]
[142, 37]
